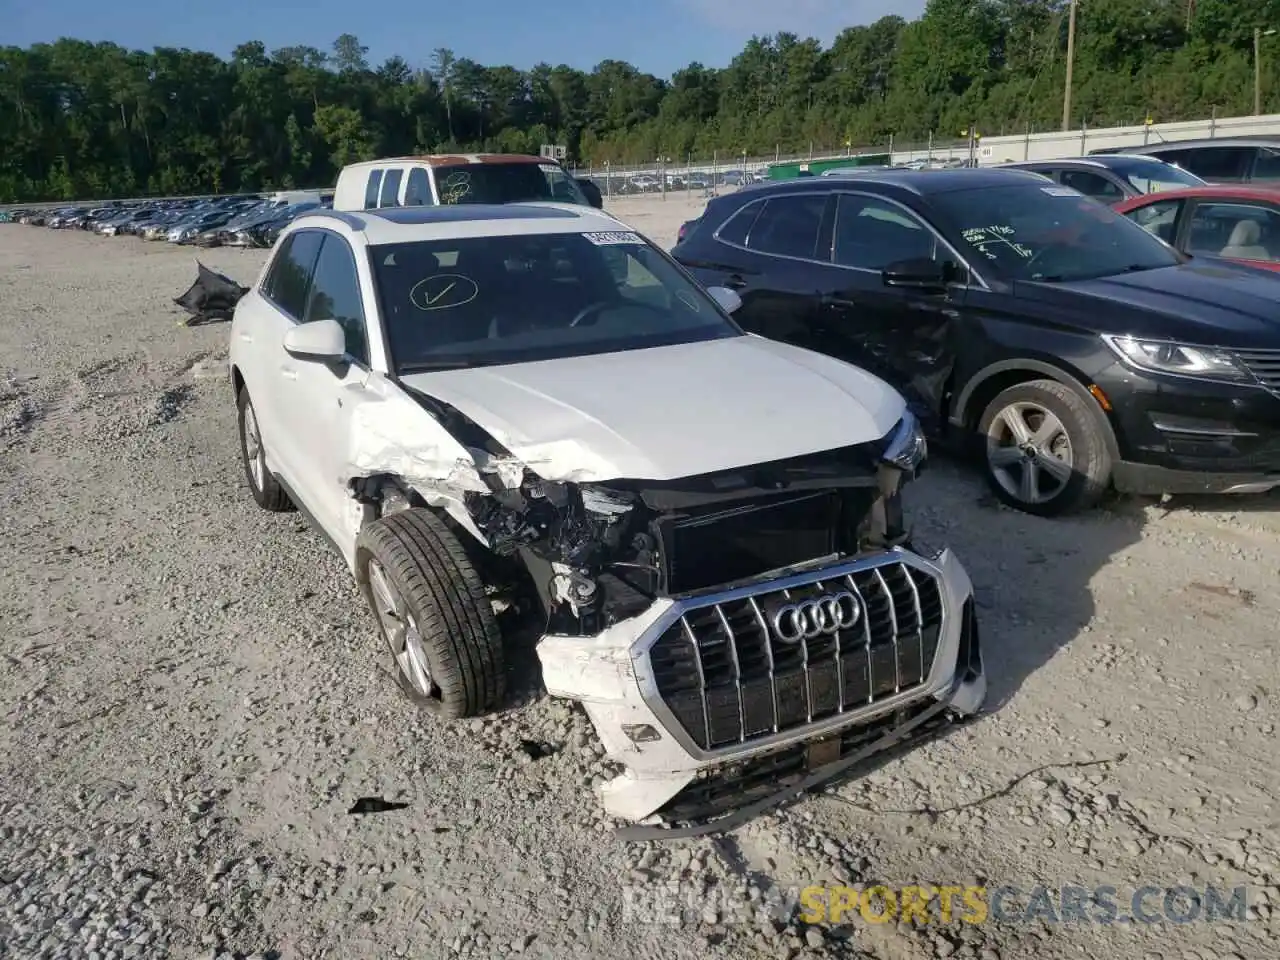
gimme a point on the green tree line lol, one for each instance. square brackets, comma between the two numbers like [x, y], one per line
[80, 119]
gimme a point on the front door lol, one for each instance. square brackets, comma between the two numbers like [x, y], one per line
[319, 397]
[906, 336]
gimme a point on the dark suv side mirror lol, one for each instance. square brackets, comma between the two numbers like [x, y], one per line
[593, 193]
[918, 274]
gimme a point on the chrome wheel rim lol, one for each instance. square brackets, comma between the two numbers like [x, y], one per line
[400, 631]
[1029, 452]
[253, 447]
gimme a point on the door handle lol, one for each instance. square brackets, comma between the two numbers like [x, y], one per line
[246, 337]
[289, 373]
[837, 302]
[735, 282]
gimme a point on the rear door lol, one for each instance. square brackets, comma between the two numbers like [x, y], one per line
[775, 253]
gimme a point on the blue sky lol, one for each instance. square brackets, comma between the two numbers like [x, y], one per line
[658, 36]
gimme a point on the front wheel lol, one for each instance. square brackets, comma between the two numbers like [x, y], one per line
[433, 613]
[1043, 449]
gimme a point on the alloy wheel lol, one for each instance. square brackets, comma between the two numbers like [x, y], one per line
[253, 447]
[401, 632]
[1029, 452]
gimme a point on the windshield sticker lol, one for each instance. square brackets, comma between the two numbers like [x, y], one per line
[615, 238]
[1060, 191]
[988, 241]
[442, 291]
[455, 186]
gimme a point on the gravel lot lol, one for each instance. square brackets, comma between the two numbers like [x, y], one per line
[194, 698]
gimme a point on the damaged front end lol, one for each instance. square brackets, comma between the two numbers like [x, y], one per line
[726, 622]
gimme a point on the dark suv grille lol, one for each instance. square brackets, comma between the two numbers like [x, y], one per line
[728, 678]
[1263, 364]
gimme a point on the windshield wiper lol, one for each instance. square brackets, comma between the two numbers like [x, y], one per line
[445, 363]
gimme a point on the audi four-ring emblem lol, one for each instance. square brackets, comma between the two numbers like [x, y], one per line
[812, 618]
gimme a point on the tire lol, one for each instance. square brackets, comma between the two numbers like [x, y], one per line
[267, 492]
[433, 612]
[1081, 441]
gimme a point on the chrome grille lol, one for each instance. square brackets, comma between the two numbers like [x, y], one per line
[727, 679]
[1264, 365]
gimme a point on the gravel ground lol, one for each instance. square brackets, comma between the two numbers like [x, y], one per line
[194, 698]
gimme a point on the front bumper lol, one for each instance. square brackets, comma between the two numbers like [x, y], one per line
[1181, 435]
[668, 774]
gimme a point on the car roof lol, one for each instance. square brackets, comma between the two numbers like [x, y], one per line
[456, 159]
[1247, 140]
[409, 224]
[920, 182]
[1104, 160]
[1214, 192]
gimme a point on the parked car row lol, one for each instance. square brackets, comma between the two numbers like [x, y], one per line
[222, 221]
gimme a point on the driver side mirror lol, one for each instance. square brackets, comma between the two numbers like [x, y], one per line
[918, 274]
[323, 341]
[592, 191]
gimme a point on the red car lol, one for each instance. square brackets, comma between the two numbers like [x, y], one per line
[1235, 222]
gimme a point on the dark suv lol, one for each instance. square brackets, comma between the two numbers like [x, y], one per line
[1219, 159]
[1075, 349]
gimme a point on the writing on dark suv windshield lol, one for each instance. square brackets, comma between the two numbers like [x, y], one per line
[1049, 234]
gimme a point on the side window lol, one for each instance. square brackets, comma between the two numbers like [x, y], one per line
[1159, 218]
[872, 234]
[789, 226]
[1218, 163]
[1266, 166]
[391, 188]
[735, 229]
[371, 189]
[1092, 185]
[417, 192]
[289, 281]
[1238, 231]
[335, 294]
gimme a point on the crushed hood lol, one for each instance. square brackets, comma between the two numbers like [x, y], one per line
[669, 412]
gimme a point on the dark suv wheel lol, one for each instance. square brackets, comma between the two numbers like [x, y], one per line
[1043, 449]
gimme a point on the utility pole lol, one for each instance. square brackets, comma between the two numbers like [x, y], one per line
[1258, 34]
[1071, 59]
[1191, 13]
[1257, 71]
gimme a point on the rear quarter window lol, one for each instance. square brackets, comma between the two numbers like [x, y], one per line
[372, 188]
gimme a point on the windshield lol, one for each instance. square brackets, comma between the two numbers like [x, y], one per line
[1152, 176]
[507, 183]
[490, 300]
[1049, 233]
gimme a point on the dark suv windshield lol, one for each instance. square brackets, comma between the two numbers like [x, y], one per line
[507, 183]
[1048, 232]
[488, 300]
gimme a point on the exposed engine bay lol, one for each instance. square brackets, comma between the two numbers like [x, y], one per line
[599, 553]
